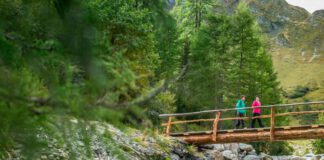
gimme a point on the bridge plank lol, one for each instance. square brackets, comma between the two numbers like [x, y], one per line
[237, 137]
[248, 130]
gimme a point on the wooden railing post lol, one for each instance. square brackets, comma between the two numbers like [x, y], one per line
[215, 125]
[272, 124]
[168, 126]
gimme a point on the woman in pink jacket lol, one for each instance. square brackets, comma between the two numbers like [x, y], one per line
[256, 112]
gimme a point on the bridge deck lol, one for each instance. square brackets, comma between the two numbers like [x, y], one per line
[272, 133]
[254, 134]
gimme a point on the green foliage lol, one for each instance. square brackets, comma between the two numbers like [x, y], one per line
[273, 148]
[85, 53]
[299, 91]
[229, 57]
[318, 145]
[62, 59]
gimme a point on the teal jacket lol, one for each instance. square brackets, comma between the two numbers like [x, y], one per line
[240, 104]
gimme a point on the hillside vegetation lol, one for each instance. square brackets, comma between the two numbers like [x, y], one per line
[69, 66]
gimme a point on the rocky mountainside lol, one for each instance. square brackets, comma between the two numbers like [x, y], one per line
[289, 25]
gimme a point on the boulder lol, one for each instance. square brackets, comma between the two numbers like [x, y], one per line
[234, 147]
[253, 152]
[245, 147]
[218, 147]
[174, 157]
[287, 158]
[214, 154]
[251, 157]
[228, 155]
[264, 156]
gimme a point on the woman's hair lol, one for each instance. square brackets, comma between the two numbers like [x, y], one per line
[242, 96]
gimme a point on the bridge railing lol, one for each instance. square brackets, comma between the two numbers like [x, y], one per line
[218, 116]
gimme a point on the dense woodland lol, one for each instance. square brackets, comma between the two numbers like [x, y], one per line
[124, 62]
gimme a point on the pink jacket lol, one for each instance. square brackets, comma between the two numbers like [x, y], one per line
[255, 105]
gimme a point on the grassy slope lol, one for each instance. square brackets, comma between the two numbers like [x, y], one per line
[295, 70]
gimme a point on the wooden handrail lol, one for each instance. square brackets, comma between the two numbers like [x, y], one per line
[298, 113]
[233, 109]
[217, 118]
[245, 118]
[189, 121]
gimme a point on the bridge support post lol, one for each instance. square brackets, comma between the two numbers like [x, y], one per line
[272, 124]
[215, 125]
[168, 126]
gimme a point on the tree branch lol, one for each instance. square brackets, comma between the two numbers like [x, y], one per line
[143, 99]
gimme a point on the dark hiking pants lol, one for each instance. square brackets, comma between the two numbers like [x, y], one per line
[240, 122]
[256, 119]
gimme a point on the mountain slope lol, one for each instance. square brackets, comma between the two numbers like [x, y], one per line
[296, 42]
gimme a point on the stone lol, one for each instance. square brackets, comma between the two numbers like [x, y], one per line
[213, 154]
[253, 152]
[174, 157]
[228, 155]
[206, 146]
[219, 147]
[287, 158]
[245, 147]
[251, 157]
[264, 156]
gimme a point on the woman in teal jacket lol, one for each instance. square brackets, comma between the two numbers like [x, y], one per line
[240, 105]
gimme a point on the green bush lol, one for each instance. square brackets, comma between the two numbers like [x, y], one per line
[299, 92]
[318, 146]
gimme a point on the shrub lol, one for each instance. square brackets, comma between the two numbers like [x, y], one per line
[299, 92]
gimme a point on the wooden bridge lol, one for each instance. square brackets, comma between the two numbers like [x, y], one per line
[272, 132]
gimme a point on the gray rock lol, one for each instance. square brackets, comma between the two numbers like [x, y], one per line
[219, 147]
[264, 156]
[282, 40]
[253, 152]
[207, 146]
[213, 154]
[234, 147]
[251, 157]
[228, 155]
[287, 158]
[174, 157]
[245, 147]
